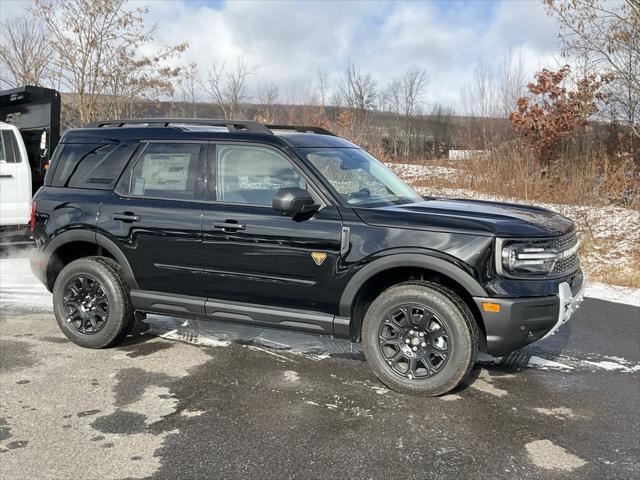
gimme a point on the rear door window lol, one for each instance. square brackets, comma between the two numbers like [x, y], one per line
[173, 171]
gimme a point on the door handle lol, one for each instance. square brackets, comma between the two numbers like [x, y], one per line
[6, 176]
[229, 226]
[126, 217]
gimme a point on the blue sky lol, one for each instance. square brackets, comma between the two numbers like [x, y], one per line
[288, 41]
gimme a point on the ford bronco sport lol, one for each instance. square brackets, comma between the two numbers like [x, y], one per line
[293, 227]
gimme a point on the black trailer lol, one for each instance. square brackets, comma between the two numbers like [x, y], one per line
[36, 113]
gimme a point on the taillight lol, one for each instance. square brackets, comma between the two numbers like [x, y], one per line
[32, 220]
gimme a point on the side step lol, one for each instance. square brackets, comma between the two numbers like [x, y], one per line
[200, 307]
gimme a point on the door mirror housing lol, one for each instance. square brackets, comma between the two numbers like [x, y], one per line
[294, 201]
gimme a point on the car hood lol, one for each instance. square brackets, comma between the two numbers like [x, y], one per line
[493, 218]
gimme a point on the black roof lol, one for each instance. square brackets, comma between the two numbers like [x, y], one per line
[116, 131]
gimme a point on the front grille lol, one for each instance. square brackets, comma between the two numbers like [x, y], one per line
[566, 265]
[565, 242]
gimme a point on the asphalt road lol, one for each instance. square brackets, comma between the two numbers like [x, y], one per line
[239, 404]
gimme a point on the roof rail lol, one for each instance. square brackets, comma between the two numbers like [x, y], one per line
[302, 129]
[231, 125]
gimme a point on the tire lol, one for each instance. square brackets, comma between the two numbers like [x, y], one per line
[441, 333]
[91, 302]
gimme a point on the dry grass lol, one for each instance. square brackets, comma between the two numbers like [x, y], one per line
[618, 274]
[595, 180]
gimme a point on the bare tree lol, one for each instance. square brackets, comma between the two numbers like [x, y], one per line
[97, 45]
[442, 129]
[607, 36]
[403, 97]
[189, 86]
[228, 87]
[25, 52]
[131, 78]
[268, 103]
[413, 84]
[356, 91]
[322, 81]
[512, 81]
[391, 102]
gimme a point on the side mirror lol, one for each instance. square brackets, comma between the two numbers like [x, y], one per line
[293, 201]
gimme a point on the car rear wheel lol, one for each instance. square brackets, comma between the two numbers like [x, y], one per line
[91, 302]
[420, 337]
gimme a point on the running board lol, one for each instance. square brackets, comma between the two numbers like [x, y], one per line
[200, 307]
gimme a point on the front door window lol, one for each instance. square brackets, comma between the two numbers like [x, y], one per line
[252, 175]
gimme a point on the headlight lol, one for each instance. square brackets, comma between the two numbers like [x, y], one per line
[536, 257]
[527, 258]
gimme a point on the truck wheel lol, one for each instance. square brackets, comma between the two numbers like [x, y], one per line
[420, 337]
[91, 302]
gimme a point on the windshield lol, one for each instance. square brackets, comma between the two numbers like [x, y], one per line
[359, 178]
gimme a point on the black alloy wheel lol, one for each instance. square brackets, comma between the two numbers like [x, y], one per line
[414, 341]
[420, 337]
[86, 304]
[91, 302]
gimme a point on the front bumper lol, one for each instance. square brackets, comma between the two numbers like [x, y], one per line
[521, 321]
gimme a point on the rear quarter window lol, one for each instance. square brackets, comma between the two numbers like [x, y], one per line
[95, 166]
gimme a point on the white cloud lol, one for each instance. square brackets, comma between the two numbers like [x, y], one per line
[12, 8]
[288, 41]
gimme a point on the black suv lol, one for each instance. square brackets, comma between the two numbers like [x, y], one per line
[293, 227]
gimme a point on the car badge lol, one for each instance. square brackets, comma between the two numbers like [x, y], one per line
[318, 257]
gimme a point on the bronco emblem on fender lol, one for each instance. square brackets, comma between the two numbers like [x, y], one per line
[318, 257]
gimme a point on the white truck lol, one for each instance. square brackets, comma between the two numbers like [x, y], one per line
[29, 132]
[15, 186]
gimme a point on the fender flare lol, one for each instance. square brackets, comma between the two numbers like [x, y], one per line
[469, 283]
[98, 239]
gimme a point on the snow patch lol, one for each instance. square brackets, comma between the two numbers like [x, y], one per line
[561, 413]
[611, 293]
[380, 390]
[178, 335]
[546, 364]
[613, 366]
[191, 413]
[291, 376]
[450, 397]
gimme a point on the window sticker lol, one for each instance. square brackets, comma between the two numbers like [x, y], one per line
[138, 188]
[165, 171]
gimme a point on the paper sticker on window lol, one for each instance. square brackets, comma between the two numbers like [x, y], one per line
[138, 188]
[164, 171]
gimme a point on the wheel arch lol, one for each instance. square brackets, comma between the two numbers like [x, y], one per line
[384, 272]
[71, 245]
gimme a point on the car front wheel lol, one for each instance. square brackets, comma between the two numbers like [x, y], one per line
[420, 337]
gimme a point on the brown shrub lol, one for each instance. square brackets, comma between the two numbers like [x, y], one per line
[596, 179]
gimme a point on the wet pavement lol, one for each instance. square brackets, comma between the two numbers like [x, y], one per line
[208, 400]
